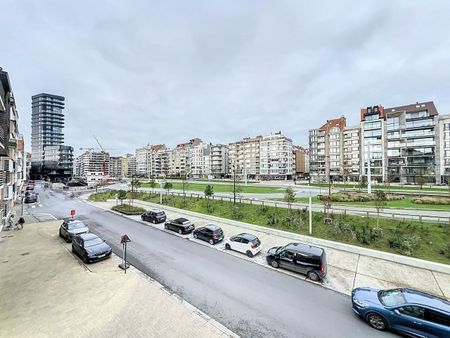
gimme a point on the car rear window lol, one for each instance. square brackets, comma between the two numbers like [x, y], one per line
[218, 232]
[93, 241]
[75, 225]
[256, 241]
[160, 213]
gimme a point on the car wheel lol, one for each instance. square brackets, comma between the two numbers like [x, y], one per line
[154, 221]
[313, 276]
[68, 240]
[85, 260]
[166, 226]
[227, 247]
[180, 231]
[249, 253]
[376, 321]
[274, 264]
[211, 241]
[195, 235]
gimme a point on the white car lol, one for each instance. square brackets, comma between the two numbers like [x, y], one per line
[245, 243]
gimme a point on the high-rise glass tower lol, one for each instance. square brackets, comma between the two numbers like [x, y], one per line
[47, 123]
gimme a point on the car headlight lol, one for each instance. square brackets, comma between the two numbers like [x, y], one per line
[360, 303]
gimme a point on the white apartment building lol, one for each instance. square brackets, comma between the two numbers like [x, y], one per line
[352, 154]
[115, 167]
[443, 159]
[275, 157]
[219, 160]
[93, 167]
[200, 163]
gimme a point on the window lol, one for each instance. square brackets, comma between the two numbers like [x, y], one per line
[393, 123]
[416, 115]
[287, 254]
[371, 117]
[419, 123]
[372, 125]
[391, 297]
[413, 311]
[437, 317]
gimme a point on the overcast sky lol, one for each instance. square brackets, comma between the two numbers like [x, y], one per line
[138, 72]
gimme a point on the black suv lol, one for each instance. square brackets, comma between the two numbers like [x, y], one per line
[180, 225]
[154, 216]
[210, 233]
[301, 258]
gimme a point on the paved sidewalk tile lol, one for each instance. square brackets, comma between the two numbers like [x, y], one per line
[45, 291]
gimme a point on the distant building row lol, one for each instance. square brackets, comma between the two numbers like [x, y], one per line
[262, 157]
[398, 144]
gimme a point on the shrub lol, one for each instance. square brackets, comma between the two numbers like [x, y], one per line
[431, 200]
[128, 209]
[406, 239]
[359, 197]
[446, 251]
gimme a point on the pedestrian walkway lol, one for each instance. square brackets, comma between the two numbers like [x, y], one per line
[348, 266]
[45, 291]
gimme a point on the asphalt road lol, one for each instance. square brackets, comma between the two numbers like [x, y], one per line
[249, 299]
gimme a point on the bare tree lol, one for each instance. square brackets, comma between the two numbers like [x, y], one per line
[380, 199]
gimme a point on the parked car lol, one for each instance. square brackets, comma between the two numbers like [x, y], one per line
[305, 259]
[90, 248]
[180, 225]
[71, 228]
[210, 233]
[29, 187]
[410, 312]
[245, 243]
[30, 197]
[154, 216]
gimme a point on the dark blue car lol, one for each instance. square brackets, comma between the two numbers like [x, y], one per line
[90, 248]
[411, 312]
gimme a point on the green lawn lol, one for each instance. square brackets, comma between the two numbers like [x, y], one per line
[221, 188]
[444, 190]
[423, 240]
[406, 203]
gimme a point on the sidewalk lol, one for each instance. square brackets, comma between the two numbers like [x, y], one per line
[348, 266]
[47, 292]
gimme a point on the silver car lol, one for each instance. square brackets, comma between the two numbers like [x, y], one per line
[71, 228]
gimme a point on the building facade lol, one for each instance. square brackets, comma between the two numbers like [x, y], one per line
[47, 123]
[219, 160]
[244, 157]
[11, 149]
[93, 167]
[352, 154]
[115, 167]
[275, 157]
[443, 159]
[300, 162]
[58, 162]
[326, 147]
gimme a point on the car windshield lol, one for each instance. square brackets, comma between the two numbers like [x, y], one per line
[75, 225]
[159, 214]
[392, 297]
[93, 241]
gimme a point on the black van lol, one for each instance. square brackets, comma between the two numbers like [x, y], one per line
[305, 259]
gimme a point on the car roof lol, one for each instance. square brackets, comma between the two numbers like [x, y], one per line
[182, 220]
[213, 227]
[157, 210]
[418, 297]
[88, 236]
[304, 248]
[250, 237]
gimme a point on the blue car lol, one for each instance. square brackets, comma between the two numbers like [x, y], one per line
[410, 312]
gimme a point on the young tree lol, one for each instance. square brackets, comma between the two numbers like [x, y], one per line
[121, 195]
[209, 192]
[380, 199]
[168, 186]
[152, 184]
[289, 197]
[362, 183]
[421, 181]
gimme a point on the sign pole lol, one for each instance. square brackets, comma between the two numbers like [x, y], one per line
[310, 214]
[124, 239]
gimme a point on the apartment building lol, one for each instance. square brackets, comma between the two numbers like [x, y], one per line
[352, 164]
[275, 157]
[57, 162]
[131, 166]
[244, 157]
[300, 162]
[219, 160]
[443, 158]
[11, 148]
[115, 167]
[93, 167]
[326, 147]
[200, 161]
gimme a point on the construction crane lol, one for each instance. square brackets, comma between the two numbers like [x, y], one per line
[104, 152]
